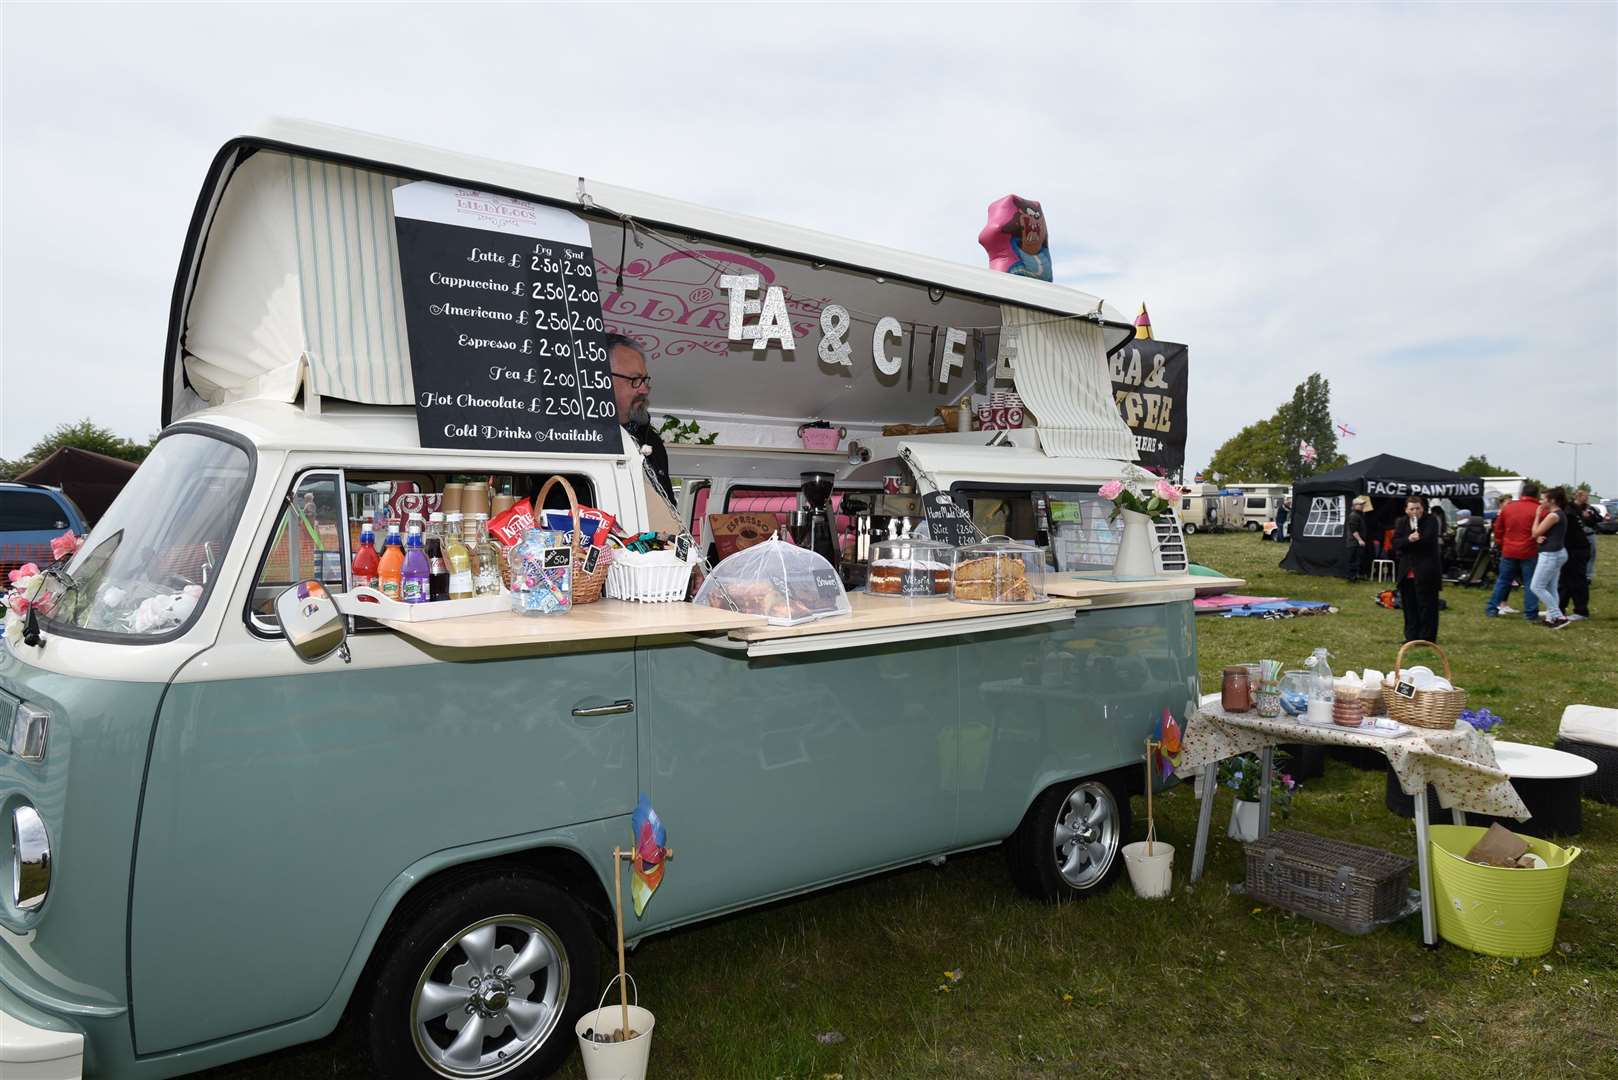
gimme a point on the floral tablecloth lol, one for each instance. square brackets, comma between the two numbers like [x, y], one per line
[1459, 763]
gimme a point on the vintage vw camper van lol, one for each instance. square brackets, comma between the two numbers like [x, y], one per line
[216, 846]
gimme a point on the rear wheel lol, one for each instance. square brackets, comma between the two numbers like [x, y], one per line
[1068, 844]
[484, 979]
[1253, 526]
[1190, 528]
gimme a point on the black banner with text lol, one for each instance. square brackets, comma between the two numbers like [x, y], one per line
[1149, 385]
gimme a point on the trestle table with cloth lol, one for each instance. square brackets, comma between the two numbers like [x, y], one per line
[1459, 763]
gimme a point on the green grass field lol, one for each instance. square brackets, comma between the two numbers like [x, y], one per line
[1204, 984]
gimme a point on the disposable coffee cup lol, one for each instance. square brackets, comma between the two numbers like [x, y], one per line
[451, 503]
[475, 499]
[501, 504]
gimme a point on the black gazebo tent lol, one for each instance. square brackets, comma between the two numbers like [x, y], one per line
[1320, 506]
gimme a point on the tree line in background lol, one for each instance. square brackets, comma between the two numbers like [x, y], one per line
[1269, 451]
[84, 435]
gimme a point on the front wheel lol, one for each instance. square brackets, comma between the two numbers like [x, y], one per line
[485, 978]
[1190, 528]
[1253, 526]
[1068, 844]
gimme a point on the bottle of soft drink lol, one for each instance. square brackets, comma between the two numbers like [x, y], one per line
[390, 568]
[437, 566]
[366, 563]
[461, 586]
[488, 556]
[414, 576]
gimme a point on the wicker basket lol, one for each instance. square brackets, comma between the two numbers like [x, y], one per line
[1436, 709]
[587, 588]
[652, 577]
[1371, 698]
[1351, 887]
[1601, 785]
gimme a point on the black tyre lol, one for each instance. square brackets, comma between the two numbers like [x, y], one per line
[1190, 528]
[483, 977]
[1253, 526]
[1069, 845]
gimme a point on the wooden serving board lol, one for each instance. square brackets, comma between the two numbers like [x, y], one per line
[1096, 589]
[876, 612]
[586, 622]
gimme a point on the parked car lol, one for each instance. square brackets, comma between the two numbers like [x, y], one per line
[30, 516]
[1609, 516]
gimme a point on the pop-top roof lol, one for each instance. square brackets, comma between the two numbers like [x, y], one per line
[291, 252]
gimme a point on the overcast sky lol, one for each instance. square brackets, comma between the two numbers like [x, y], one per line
[1421, 202]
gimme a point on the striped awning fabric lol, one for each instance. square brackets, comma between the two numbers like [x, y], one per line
[1061, 372]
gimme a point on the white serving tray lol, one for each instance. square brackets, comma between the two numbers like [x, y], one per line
[371, 604]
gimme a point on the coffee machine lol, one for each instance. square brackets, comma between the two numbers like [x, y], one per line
[820, 536]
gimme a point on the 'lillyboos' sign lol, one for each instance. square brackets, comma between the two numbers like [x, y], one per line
[503, 313]
[1149, 385]
[1464, 488]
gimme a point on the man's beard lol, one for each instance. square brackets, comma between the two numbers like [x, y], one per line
[640, 412]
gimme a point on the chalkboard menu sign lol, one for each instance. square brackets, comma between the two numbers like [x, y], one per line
[503, 312]
[948, 521]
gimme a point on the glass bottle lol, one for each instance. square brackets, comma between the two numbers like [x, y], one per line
[1322, 688]
[414, 575]
[461, 585]
[437, 568]
[489, 578]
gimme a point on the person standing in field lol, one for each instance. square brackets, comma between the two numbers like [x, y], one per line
[1575, 584]
[1550, 533]
[1357, 535]
[1514, 536]
[1418, 569]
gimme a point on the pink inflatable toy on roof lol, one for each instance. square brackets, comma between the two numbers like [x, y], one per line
[1015, 238]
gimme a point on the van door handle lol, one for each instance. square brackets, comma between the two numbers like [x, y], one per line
[616, 708]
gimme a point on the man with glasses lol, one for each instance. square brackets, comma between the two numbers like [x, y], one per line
[632, 391]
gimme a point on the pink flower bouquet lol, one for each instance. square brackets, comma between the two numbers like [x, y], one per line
[1123, 497]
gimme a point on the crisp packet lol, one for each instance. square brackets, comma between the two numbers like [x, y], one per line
[596, 525]
[511, 525]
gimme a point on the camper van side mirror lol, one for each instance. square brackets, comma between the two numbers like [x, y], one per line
[311, 622]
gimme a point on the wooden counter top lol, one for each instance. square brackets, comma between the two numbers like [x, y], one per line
[608, 619]
[586, 622]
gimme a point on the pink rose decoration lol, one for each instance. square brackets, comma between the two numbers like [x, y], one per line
[1167, 491]
[1111, 488]
[66, 544]
[18, 603]
[26, 570]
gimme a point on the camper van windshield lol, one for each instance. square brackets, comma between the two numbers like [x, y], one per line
[146, 568]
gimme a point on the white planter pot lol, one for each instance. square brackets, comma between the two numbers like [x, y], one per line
[1135, 558]
[1243, 821]
[1151, 875]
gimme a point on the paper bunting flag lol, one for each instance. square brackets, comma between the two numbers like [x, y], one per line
[1143, 324]
[1167, 737]
[1307, 452]
[651, 843]
[1346, 431]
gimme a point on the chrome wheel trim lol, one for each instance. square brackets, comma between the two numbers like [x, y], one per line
[490, 997]
[1086, 838]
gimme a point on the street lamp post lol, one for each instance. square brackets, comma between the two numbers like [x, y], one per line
[1575, 446]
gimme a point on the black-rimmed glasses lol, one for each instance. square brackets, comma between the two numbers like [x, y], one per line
[635, 381]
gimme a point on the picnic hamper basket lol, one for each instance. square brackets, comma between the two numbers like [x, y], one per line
[587, 587]
[1350, 887]
[1434, 709]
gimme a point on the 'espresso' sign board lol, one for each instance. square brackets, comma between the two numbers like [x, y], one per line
[503, 312]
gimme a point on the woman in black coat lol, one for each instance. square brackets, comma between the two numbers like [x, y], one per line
[1418, 569]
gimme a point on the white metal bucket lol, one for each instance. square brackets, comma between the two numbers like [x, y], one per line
[1151, 875]
[616, 1060]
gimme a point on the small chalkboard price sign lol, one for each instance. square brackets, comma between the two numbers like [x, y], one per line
[503, 313]
[948, 521]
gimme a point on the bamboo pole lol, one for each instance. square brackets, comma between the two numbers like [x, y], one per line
[618, 856]
[1151, 822]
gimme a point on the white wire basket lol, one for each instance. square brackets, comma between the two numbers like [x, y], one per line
[651, 577]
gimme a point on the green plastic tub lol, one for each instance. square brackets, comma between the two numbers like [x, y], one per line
[1492, 910]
